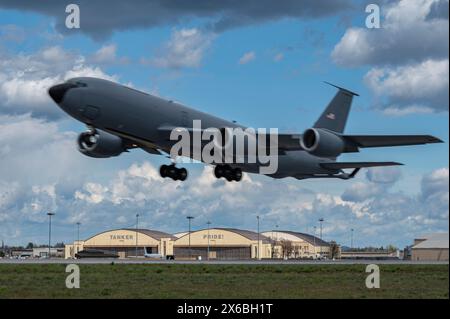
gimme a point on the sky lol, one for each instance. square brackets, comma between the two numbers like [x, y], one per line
[261, 63]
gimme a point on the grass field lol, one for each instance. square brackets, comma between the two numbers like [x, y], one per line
[223, 281]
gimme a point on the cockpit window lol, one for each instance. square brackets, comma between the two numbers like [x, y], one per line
[80, 84]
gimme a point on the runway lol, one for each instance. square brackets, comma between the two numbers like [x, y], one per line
[220, 262]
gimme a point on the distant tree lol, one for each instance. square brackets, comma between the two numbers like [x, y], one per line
[30, 246]
[334, 250]
[59, 245]
[391, 248]
[274, 244]
[286, 248]
[2, 254]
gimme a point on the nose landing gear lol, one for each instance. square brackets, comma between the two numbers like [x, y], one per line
[177, 174]
[230, 174]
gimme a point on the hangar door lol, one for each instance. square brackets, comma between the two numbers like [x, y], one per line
[215, 252]
[127, 251]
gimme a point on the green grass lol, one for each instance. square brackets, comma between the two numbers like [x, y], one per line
[223, 281]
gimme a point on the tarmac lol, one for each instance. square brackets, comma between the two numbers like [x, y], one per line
[220, 262]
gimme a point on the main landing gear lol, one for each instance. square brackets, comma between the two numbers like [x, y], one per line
[175, 173]
[230, 174]
[180, 174]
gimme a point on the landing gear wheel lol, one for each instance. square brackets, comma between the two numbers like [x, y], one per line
[163, 171]
[218, 171]
[230, 174]
[182, 174]
[237, 172]
[173, 172]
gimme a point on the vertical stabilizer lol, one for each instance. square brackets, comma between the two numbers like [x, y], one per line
[335, 115]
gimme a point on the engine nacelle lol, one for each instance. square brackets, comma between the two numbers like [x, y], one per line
[100, 144]
[322, 143]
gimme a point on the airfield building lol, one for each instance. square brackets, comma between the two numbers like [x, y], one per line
[431, 247]
[223, 243]
[289, 244]
[214, 243]
[123, 243]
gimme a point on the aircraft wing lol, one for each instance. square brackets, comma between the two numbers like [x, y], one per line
[135, 141]
[289, 142]
[389, 140]
[344, 165]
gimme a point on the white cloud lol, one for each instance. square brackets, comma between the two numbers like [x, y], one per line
[393, 110]
[12, 32]
[185, 49]
[95, 193]
[35, 153]
[405, 35]
[435, 193]
[278, 57]
[25, 79]
[361, 191]
[408, 55]
[384, 175]
[369, 205]
[437, 181]
[426, 82]
[106, 54]
[247, 57]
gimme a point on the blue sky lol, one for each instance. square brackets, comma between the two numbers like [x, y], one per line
[281, 86]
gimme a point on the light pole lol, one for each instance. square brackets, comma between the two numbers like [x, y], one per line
[78, 236]
[315, 232]
[49, 214]
[137, 225]
[321, 227]
[258, 255]
[276, 236]
[321, 224]
[351, 243]
[208, 223]
[189, 219]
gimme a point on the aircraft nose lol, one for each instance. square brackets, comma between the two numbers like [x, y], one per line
[57, 91]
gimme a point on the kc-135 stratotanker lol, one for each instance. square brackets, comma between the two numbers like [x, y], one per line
[120, 118]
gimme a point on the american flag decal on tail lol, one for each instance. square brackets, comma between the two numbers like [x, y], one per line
[331, 116]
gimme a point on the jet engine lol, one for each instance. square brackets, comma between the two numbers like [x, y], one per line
[100, 144]
[322, 143]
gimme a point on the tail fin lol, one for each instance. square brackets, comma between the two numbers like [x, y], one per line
[335, 115]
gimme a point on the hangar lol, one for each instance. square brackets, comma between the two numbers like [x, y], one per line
[289, 244]
[222, 243]
[213, 243]
[123, 242]
[431, 247]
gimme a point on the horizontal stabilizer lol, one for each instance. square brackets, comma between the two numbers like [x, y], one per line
[342, 89]
[344, 165]
[390, 140]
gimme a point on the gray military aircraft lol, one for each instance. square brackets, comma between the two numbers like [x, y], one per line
[120, 118]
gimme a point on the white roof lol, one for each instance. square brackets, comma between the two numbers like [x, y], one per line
[437, 240]
[181, 234]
